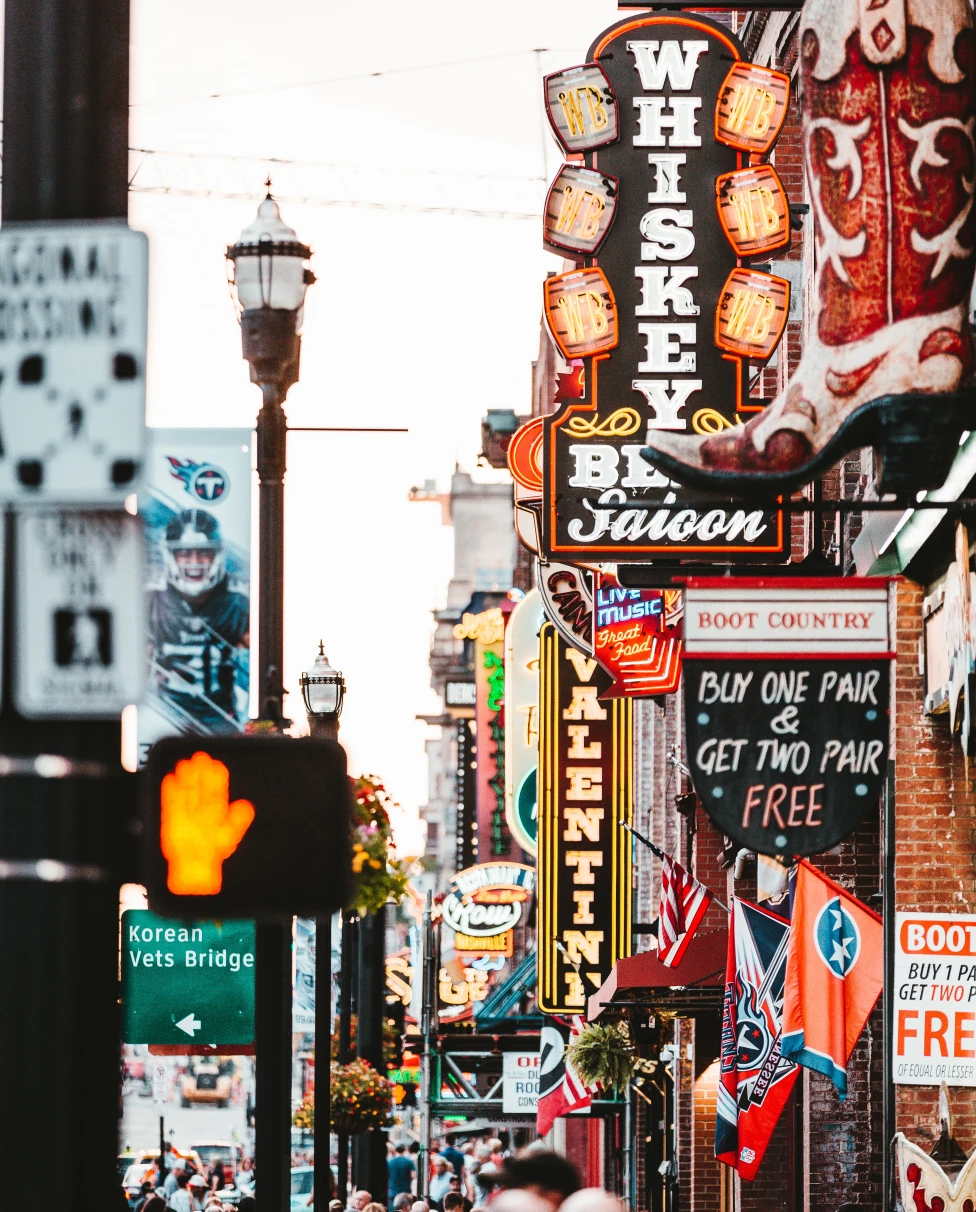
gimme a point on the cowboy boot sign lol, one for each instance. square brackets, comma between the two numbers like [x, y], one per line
[888, 125]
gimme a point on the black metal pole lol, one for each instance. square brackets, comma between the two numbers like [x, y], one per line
[346, 985]
[65, 102]
[272, 975]
[326, 727]
[323, 1052]
[888, 903]
[369, 1148]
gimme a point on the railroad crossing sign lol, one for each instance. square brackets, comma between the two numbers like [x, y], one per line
[73, 307]
[80, 623]
[186, 983]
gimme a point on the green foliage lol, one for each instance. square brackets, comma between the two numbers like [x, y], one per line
[377, 877]
[603, 1053]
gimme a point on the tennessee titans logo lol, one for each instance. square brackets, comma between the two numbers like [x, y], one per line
[201, 480]
[837, 937]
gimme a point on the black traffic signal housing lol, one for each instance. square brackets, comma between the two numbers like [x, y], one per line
[252, 826]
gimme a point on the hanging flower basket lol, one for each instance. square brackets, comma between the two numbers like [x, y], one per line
[360, 1098]
[377, 876]
[604, 1054]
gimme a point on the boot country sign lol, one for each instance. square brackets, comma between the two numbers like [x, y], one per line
[787, 708]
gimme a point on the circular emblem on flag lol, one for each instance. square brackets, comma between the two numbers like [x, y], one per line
[837, 938]
[209, 483]
[552, 1048]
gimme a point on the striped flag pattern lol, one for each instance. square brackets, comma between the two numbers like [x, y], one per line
[683, 905]
[561, 1089]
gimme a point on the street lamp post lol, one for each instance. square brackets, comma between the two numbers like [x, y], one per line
[323, 689]
[269, 279]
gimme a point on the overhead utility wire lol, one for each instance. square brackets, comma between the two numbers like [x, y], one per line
[327, 80]
[348, 168]
[354, 203]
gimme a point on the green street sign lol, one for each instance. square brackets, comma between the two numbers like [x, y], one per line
[186, 982]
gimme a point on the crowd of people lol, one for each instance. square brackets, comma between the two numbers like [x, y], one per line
[479, 1174]
[182, 1186]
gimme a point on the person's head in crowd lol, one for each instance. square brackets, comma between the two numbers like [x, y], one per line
[482, 1153]
[335, 1205]
[419, 1206]
[516, 1200]
[544, 1174]
[452, 1200]
[455, 1182]
[361, 1199]
[182, 1178]
[374, 1207]
[440, 1163]
[592, 1199]
[400, 1148]
[401, 1202]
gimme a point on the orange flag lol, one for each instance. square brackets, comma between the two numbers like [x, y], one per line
[834, 974]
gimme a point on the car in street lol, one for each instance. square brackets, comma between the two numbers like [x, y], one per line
[302, 1184]
[205, 1084]
[229, 1153]
[138, 1173]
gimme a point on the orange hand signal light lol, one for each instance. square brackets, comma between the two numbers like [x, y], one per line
[199, 826]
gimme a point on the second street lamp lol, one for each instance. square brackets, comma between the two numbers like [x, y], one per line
[324, 689]
[269, 277]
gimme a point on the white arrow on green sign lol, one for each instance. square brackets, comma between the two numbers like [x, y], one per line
[185, 981]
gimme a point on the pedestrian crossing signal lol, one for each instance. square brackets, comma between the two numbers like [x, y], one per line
[246, 826]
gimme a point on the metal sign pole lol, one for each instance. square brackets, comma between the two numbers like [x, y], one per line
[63, 792]
[427, 1014]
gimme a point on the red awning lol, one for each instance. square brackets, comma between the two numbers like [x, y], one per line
[641, 977]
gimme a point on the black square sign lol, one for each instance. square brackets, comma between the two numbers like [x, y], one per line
[246, 827]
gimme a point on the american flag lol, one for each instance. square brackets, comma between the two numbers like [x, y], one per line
[683, 905]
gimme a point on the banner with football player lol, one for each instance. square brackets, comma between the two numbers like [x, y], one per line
[755, 1079]
[197, 512]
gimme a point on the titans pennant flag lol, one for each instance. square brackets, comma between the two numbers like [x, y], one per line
[755, 1080]
[561, 1089]
[834, 974]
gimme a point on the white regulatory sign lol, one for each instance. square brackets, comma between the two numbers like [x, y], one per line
[160, 1083]
[80, 614]
[520, 1082]
[73, 306]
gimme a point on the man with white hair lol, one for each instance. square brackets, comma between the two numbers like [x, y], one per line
[440, 1181]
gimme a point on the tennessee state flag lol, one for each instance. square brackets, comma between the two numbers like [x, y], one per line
[834, 974]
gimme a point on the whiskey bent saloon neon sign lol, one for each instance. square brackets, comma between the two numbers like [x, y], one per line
[680, 317]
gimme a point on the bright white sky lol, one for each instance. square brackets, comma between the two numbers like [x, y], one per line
[418, 319]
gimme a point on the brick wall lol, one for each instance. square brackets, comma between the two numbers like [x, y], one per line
[935, 856]
[706, 1176]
